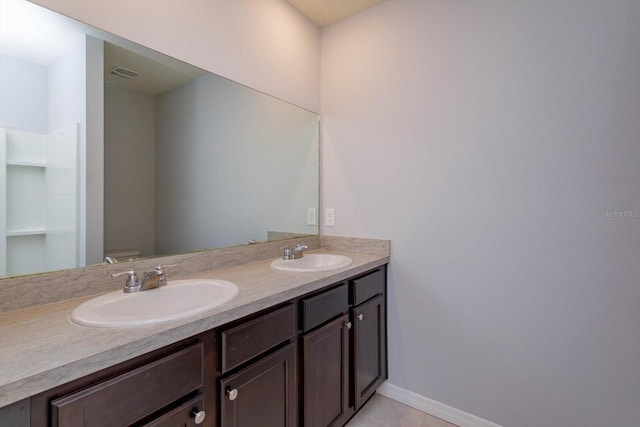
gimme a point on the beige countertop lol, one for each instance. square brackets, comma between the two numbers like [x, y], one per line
[41, 349]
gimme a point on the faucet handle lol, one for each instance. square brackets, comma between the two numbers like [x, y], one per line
[132, 279]
[288, 254]
[160, 268]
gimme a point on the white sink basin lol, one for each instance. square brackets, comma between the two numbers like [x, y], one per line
[312, 263]
[179, 298]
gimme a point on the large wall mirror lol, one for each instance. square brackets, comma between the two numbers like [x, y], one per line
[108, 148]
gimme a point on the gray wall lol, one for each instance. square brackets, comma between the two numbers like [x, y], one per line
[487, 139]
[231, 164]
[76, 96]
[129, 158]
[94, 156]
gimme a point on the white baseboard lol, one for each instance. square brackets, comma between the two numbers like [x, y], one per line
[432, 407]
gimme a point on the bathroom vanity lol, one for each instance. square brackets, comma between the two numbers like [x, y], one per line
[293, 349]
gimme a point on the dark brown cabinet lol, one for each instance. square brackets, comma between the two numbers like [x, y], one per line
[132, 396]
[369, 334]
[173, 386]
[251, 338]
[310, 362]
[259, 382]
[263, 394]
[370, 353]
[326, 374]
[344, 359]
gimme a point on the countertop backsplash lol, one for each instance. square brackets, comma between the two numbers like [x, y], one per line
[28, 291]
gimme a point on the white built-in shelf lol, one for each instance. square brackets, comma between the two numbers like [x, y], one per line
[29, 164]
[27, 232]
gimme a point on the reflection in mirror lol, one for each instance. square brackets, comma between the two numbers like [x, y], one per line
[110, 149]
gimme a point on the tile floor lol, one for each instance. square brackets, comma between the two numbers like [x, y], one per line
[381, 411]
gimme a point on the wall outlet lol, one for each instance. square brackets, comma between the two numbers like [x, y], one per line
[312, 216]
[330, 217]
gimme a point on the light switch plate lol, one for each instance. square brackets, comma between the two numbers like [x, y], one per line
[330, 217]
[312, 216]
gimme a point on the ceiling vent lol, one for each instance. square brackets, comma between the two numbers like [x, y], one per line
[124, 72]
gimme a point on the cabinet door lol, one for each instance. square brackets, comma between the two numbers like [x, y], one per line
[326, 374]
[263, 394]
[370, 348]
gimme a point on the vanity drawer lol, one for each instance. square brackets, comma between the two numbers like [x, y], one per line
[323, 307]
[131, 396]
[367, 287]
[247, 340]
[183, 415]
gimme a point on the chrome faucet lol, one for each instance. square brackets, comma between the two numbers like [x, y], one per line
[297, 251]
[153, 279]
[150, 280]
[294, 253]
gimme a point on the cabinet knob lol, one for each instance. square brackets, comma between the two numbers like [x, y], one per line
[198, 416]
[232, 393]
[347, 324]
[360, 316]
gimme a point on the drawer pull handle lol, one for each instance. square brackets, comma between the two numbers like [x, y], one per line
[198, 416]
[360, 316]
[232, 394]
[347, 324]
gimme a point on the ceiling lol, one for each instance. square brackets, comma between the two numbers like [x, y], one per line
[156, 77]
[35, 34]
[325, 12]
